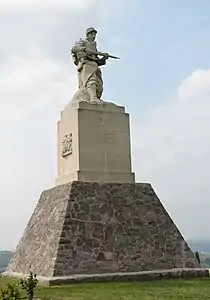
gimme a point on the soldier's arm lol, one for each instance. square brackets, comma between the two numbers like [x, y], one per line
[101, 61]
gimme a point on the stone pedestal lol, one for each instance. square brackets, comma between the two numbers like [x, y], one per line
[94, 230]
[94, 144]
[97, 223]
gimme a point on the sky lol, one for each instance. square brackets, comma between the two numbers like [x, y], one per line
[162, 78]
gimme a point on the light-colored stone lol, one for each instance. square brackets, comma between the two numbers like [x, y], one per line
[120, 277]
[100, 144]
[88, 61]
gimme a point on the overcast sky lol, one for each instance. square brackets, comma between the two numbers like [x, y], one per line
[163, 79]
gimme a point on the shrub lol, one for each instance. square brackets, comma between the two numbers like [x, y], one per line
[10, 292]
[29, 285]
[14, 291]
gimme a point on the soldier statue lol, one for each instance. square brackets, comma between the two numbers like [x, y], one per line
[88, 60]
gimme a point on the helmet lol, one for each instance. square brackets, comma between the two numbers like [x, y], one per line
[90, 29]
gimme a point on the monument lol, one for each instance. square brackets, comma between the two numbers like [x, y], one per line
[97, 223]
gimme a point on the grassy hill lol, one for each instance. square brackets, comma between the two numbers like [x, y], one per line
[203, 246]
[200, 245]
[164, 289]
[156, 290]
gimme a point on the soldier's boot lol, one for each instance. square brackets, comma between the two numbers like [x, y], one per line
[92, 92]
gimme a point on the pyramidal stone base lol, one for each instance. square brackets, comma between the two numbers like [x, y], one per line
[89, 229]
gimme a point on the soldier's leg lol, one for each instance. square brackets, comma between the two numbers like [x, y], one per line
[99, 87]
[92, 87]
[80, 86]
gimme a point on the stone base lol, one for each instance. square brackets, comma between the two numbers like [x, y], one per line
[94, 144]
[94, 228]
[120, 277]
[94, 176]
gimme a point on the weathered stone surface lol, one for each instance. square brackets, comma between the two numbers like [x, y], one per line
[95, 228]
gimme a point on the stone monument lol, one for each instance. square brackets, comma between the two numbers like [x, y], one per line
[97, 223]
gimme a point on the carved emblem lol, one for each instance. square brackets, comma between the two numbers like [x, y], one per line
[67, 145]
[101, 122]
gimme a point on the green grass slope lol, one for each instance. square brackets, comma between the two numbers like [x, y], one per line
[159, 290]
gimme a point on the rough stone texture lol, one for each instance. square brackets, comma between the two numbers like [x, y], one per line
[95, 228]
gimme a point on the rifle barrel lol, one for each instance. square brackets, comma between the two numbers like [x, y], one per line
[110, 56]
[115, 57]
[103, 54]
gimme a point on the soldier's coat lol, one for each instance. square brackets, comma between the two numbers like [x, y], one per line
[90, 73]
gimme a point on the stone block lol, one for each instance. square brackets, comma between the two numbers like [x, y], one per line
[94, 144]
[89, 228]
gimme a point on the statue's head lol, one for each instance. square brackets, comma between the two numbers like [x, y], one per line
[91, 33]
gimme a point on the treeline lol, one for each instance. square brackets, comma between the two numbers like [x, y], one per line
[5, 257]
[199, 245]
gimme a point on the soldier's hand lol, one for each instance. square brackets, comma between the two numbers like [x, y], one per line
[106, 55]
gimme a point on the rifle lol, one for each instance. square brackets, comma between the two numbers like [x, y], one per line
[102, 54]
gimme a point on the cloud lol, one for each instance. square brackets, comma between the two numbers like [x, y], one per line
[28, 83]
[32, 5]
[196, 84]
[34, 88]
[49, 26]
[37, 79]
[172, 150]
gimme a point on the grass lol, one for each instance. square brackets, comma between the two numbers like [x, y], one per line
[158, 290]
